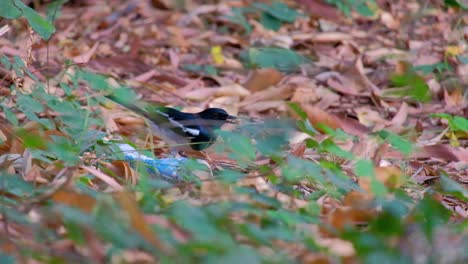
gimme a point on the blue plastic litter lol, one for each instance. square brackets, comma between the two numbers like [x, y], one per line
[167, 168]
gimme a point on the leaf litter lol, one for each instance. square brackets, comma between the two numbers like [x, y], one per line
[376, 79]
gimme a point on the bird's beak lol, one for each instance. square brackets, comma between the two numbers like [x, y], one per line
[231, 119]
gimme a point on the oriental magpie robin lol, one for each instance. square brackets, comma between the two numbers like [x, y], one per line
[183, 131]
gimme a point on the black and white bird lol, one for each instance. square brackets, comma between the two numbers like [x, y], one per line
[182, 131]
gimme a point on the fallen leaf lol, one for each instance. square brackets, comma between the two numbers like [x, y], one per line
[389, 21]
[401, 116]
[104, 177]
[86, 57]
[74, 199]
[317, 116]
[138, 221]
[261, 79]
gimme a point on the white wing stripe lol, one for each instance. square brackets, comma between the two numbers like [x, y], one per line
[192, 131]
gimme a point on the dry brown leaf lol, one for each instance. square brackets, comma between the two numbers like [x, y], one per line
[345, 86]
[104, 177]
[401, 116]
[391, 177]
[355, 199]
[369, 117]
[305, 95]
[338, 246]
[389, 54]
[72, 198]
[86, 57]
[122, 168]
[317, 116]
[438, 151]
[262, 78]
[263, 106]
[455, 98]
[282, 92]
[427, 60]
[205, 93]
[389, 21]
[462, 72]
[138, 221]
[345, 216]
[324, 37]
[321, 9]
[34, 174]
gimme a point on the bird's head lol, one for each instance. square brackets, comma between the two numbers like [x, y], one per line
[217, 114]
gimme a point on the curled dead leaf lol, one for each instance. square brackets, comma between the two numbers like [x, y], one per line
[74, 199]
[317, 116]
[345, 216]
[262, 78]
[391, 177]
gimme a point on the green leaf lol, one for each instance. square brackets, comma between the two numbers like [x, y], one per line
[412, 85]
[271, 136]
[270, 22]
[89, 139]
[238, 254]
[198, 222]
[5, 61]
[14, 184]
[230, 176]
[30, 140]
[459, 123]
[387, 224]
[329, 146]
[397, 142]
[200, 69]
[27, 103]
[284, 60]
[9, 10]
[18, 66]
[67, 89]
[242, 149]
[452, 187]
[364, 168]
[456, 3]
[97, 81]
[361, 6]
[53, 10]
[75, 232]
[65, 150]
[238, 18]
[430, 214]
[456, 123]
[4, 258]
[278, 10]
[10, 116]
[298, 110]
[297, 169]
[436, 67]
[41, 26]
[378, 188]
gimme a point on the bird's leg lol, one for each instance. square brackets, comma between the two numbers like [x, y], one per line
[209, 160]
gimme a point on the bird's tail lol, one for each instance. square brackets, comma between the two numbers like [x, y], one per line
[128, 104]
